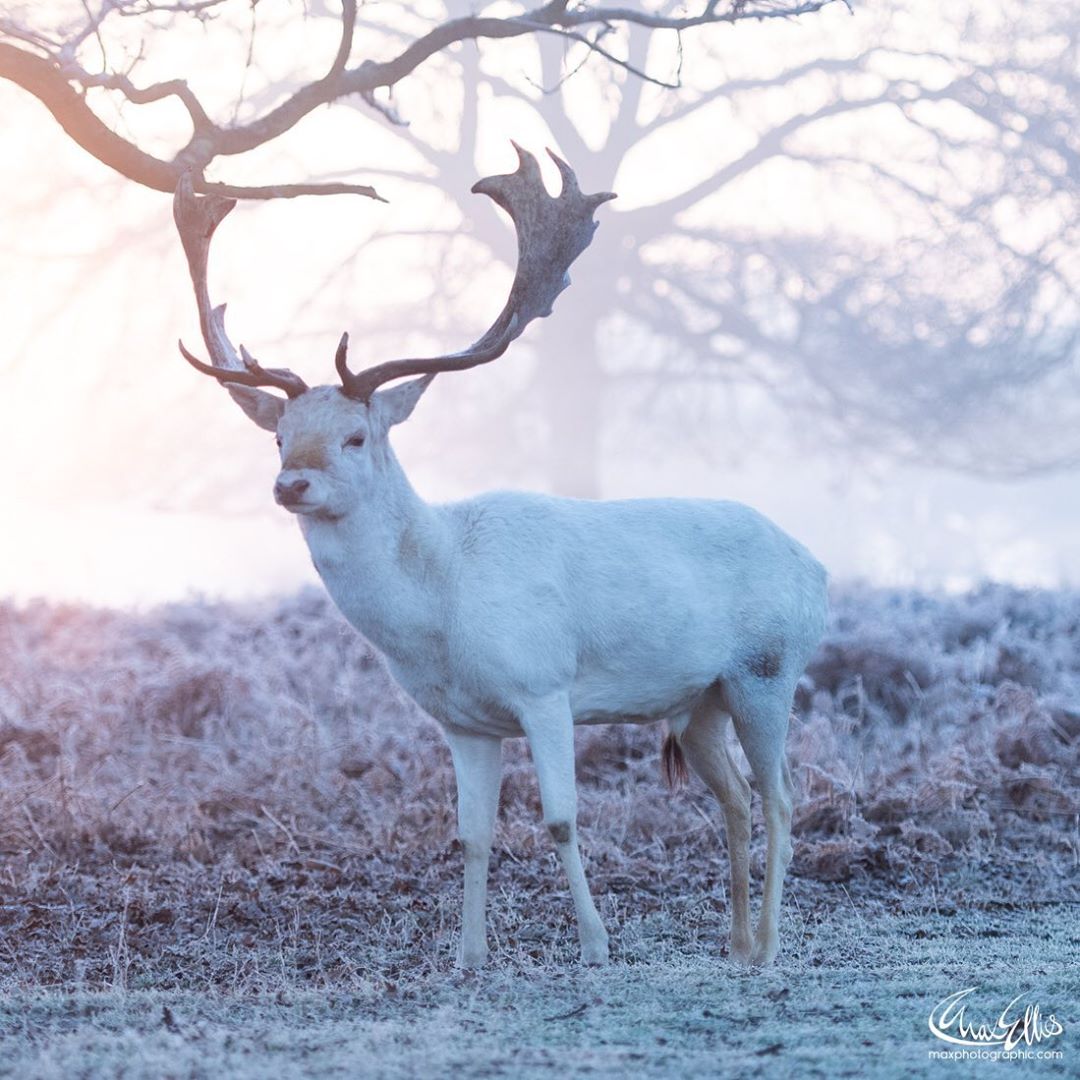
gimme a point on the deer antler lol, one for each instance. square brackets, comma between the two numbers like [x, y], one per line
[197, 216]
[552, 232]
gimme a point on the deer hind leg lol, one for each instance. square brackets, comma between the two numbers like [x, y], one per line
[478, 770]
[549, 727]
[706, 746]
[761, 708]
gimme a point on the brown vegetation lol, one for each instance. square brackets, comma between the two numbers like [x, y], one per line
[210, 796]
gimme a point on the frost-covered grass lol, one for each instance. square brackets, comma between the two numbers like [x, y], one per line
[208, 807]
[850, 1005]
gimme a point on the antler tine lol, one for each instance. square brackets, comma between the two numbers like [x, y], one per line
[254, 374]
[341, 359]
[552, 231]
[196, 217]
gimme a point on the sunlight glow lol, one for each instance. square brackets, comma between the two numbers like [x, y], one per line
[131, 481]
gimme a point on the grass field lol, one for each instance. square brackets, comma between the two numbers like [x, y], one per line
[227, 848]
[853, 1002]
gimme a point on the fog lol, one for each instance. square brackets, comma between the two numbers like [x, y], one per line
[838, 284]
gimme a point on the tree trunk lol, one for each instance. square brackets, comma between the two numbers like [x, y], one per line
[570, 386]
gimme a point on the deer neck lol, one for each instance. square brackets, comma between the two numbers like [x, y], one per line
[384, 562]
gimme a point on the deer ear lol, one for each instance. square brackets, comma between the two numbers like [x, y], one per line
[265, 409]
[397, 403]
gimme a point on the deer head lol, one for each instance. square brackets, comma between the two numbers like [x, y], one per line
[333, 439]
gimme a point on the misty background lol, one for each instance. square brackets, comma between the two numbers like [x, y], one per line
[838, 284]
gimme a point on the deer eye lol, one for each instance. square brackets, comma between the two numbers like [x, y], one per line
[277, 439]
[355, 440]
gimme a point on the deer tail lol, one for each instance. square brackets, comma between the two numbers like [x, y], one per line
[673, 763]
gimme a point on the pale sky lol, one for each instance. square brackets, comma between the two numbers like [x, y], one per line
[132, 480]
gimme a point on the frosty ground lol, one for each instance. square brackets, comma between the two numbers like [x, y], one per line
[228, 849]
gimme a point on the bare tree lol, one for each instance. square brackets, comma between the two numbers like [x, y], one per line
[917, 305]
[108, 71]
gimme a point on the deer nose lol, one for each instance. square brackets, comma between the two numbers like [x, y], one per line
[290, 491]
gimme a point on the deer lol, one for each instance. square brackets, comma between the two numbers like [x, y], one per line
[513, 615]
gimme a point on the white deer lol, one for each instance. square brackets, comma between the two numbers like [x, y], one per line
[512, 614]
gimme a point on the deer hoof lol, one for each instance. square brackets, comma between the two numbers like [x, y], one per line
[740, 953]
[595, 953]
[764, 952]
[471, 959]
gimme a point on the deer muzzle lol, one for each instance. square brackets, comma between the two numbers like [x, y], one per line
[289, 490]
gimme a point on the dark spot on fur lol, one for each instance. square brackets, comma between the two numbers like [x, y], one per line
[765, 665]
[502, 714]
[414, 557]
[472, 850]
[310, 454]
[408, 551]
[560, 832]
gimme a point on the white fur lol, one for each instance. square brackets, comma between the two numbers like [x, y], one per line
[514, 614]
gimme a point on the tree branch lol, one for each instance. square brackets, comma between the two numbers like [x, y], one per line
[48, 84]
[50, 78]
[177, 88]
[370, 75]
[44, 80]
[284, 191]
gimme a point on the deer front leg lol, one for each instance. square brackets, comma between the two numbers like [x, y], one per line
[549, 728]
[478, 770]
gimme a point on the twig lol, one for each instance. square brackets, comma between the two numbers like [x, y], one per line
[212, 921]
[140, 784]
[571, 1014]
[292, 842]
